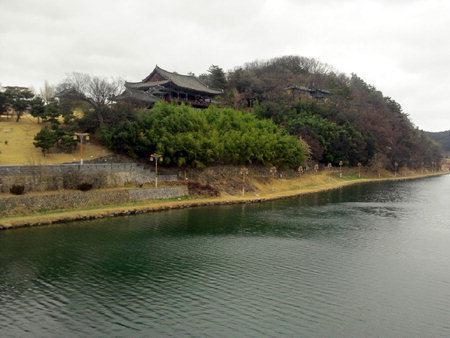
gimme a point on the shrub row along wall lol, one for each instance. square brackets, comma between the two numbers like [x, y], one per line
[25, 204]
[68, 176]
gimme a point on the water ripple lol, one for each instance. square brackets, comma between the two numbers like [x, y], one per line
[362, 261]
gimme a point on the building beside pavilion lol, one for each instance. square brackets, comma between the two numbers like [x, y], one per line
[305, 92]
[170, 87]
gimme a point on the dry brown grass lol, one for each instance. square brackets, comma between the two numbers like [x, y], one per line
[21, 151]
[295, 184]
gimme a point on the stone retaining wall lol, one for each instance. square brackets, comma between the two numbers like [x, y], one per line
[72, 199]
[55, 177]
[54, 169]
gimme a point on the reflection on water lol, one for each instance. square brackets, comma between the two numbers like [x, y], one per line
[365, 260]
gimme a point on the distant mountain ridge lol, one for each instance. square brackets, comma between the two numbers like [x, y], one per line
[443, 138]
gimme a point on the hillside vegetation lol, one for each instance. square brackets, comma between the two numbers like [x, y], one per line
[443, 139]
[354, 123]
[188, 136]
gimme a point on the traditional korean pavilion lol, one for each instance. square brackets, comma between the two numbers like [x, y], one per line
[170, 87]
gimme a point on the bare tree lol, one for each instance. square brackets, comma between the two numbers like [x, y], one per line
[47, 92]
[97, 91]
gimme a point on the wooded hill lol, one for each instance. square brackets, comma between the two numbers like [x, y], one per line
[351, 121]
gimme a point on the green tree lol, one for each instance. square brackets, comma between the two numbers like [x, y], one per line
[3, 103]
[55, 137]
[19, 99]
[37, 108]
[52, 112]
[67, 143]
[189, 136]
[215, 77]
[45, 139]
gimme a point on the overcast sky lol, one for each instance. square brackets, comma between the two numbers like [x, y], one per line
[400, 46]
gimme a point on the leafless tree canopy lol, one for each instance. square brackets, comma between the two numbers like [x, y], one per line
[97, 91]
[47, 92]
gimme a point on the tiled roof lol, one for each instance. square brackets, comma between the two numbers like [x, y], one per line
[136, 95]
[182, 81]
[144, 85]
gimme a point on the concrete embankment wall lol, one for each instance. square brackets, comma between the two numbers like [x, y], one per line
[26, 204]
[68, 176]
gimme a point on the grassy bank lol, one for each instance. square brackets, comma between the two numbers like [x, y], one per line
[17, 148]
[274, 189]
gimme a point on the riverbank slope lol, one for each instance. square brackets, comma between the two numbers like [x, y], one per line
[275, 189]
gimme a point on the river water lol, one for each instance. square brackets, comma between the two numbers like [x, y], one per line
[368, 260]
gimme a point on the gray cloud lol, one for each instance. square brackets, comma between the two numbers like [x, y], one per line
[399, 46]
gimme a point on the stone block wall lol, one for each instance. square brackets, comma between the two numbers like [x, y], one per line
[73, 199]
[55, 177]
